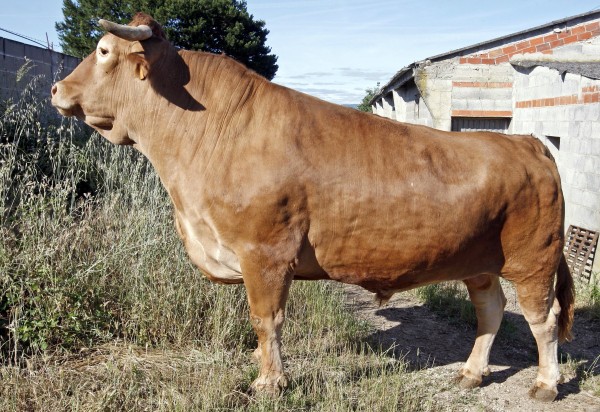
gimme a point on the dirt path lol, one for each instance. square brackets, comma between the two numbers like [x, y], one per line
[436, 347]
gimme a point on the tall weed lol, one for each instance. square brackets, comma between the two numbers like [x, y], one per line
[88, 250]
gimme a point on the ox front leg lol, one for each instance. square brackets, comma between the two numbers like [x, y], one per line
[489, 301]
[267, 287]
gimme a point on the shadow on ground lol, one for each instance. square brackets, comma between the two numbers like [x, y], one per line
[406, 329]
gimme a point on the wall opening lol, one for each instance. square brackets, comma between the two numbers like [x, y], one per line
[478, 124]
[554, 141]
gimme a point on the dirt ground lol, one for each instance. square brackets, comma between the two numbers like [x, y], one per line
[436, 348]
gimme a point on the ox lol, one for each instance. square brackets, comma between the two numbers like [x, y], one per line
[271, 185]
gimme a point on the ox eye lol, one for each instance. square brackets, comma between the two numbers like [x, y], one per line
[103, 51]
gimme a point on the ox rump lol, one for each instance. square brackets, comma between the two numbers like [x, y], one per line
[271, 185]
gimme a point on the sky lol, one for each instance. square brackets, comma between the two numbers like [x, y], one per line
[336, 49]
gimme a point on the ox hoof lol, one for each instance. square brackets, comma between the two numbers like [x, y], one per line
[465, 382]
[271, 386]
[542, 394]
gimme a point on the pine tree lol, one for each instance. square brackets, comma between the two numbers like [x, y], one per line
[218, 26]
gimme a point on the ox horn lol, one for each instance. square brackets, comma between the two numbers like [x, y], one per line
[131, 33]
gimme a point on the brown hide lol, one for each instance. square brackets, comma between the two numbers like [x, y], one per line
[270, 184]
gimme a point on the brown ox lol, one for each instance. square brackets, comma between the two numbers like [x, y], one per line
[271, 185]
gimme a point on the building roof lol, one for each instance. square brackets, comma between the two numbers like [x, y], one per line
[401, 76]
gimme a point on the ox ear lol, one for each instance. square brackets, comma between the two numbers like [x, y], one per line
[138, 56]
[142, 68]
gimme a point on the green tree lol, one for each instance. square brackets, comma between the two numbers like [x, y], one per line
[218, 26]
[364, 106]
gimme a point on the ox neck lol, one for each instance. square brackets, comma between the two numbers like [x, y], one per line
[211, 107]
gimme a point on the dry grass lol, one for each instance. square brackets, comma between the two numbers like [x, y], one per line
[101, 309]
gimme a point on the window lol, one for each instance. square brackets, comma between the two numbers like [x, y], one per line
[476, 124]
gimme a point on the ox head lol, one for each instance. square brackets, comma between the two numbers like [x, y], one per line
[115, 87]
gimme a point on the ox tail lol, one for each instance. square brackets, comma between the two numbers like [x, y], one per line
[564, 289]
[565, 294]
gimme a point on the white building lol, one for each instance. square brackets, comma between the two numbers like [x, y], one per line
[545, 80]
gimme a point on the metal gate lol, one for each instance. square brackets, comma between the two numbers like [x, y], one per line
[476, 124]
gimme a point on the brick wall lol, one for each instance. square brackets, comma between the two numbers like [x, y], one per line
[539, 44]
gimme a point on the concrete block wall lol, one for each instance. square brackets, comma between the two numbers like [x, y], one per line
[434, 81]
[415, 108]
[455, 89]
[567, 113]
[13, 55]
[404, 104]
[482, 90]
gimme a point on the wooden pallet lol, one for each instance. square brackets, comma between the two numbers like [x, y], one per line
[580, 250]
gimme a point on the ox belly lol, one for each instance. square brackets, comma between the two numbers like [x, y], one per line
[204, 246]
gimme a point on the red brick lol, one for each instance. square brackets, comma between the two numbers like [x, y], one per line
[463, 60]
[474, 60]
[551, 37]
[509, 49]
[556, 43]
[547, 52]
[536, 41]
[584, 36]
[592, 26]
[563, 34]
[595, 97]
[495, 53]
[529, 50]
[502, 59]
[488, 61]
[570, 39]
[482, 113]
[587, 98]
[578, 30]
[523, 45]
[542, 47]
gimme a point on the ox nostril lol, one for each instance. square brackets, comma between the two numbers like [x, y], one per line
[54, 89]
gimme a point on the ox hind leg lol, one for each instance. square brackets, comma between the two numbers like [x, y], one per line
[489, 301]
[541, 310]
